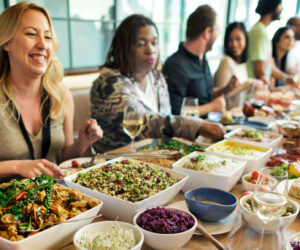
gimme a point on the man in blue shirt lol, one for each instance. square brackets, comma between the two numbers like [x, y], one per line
[187, 71]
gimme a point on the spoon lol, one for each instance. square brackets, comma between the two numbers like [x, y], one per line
[93, 152]
[59, 222]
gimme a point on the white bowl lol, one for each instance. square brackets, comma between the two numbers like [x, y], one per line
[167, 241]
[251, 186]
[256, 223]
[213, 179]
[253, 163]
[274, 143]
[295, 237]
[104, 226]
[125, 210]
[54, 237]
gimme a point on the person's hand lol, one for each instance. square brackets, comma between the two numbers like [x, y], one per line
[90, 130]
[219, 104]
[232, 84]
[258, 84]
[289, 80]
[214, 131]
[33, 168]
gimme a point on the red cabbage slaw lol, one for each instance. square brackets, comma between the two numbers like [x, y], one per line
[165, 221]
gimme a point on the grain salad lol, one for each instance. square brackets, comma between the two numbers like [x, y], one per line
[129, 180]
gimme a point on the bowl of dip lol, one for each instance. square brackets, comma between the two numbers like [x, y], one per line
[210, 204]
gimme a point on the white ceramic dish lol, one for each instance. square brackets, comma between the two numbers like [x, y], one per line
[271, 226]
[104, 226]
[251, 186]
[263, 119]
[294, 237]
[252, 164]
[280, 188]
[166, 241]
[214, 228]
[125, 210]
[199, 179]
[54, 237]
[274, 143]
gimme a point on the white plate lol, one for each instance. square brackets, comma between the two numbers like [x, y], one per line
[68, 163]
[280, 190]
[219, 227]
[294, 237]
[263, 119]
[233, 127]
[296, 102]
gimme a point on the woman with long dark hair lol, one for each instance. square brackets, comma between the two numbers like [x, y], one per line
[234, 62]
[130, 77]
[282, 41]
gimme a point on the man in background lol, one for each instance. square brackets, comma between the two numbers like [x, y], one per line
[187, 71]
[260, 64]
[293, 58]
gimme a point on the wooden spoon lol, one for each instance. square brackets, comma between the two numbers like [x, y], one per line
[207, 235]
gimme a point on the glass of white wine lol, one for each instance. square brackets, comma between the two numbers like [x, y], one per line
[190, 107]
[132, 123]
[270, 204]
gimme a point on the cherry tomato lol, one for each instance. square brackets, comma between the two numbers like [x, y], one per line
[75, 164]
[255, 175]
[253, 181]
[266, 179]
[246, 193]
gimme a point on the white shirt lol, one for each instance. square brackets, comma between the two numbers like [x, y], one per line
[293, 60]
[148, 96]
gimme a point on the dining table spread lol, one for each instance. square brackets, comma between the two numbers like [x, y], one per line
[199, 241]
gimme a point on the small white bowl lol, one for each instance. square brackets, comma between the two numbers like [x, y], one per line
[294, 237]
[167, 241]
[251, 186]
[103, 226]
[256, 223]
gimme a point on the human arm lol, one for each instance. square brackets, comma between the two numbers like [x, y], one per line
[29, 168]
[74, 149]
[280, 75]
[230, 86]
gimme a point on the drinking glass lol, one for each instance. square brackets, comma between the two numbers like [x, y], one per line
[270, 204]
[190, 107]
[132, 123]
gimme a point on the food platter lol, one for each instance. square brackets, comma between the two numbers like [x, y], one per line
[214, 228]
[217, 117]
[280, 188]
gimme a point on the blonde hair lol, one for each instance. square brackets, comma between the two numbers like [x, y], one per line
[51, 81]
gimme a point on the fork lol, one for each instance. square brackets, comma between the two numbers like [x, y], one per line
[59, 222]
[93, 151]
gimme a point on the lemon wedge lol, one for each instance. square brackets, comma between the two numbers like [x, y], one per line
[294, 169]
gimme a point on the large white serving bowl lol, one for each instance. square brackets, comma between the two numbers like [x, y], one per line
[54, 237]
[104, 226]
[116, 208]
[254, 163]
[274, 143]
[198, 179]
[256, 223]
[167, 241]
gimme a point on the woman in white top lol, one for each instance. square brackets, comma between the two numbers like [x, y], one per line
[234, 63]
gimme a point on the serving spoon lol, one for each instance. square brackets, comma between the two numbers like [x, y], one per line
[57, 223]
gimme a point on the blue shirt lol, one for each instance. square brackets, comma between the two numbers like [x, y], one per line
[187, 76]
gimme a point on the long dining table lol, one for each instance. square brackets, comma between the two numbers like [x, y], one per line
[199, 241]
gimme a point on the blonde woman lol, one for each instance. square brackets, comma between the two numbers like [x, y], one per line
[36, 110]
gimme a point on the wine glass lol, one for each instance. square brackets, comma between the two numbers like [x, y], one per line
[190, 107]
[270, 204]
[132, 123]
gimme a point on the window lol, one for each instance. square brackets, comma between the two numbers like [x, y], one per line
[1, 5]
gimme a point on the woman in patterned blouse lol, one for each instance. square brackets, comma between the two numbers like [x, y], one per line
[129, 77]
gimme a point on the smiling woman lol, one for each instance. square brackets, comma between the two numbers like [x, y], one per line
[36, 111]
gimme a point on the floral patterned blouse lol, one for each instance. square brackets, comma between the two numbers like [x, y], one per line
[111, 92]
